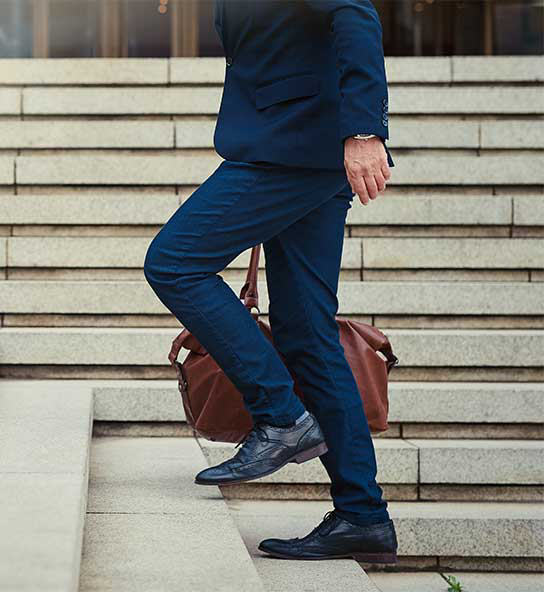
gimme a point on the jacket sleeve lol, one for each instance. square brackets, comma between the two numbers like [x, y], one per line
[357, 40]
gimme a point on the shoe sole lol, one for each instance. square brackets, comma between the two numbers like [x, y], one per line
[299, 458]
[381, 558]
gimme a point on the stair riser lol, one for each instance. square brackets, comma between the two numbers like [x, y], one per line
[405, 493]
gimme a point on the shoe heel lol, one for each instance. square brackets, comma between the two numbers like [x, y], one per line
[311, 453]
[376, 557]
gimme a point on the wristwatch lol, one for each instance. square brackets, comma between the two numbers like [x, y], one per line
[364, 136]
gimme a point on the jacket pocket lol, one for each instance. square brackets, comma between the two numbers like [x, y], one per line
[289, 88]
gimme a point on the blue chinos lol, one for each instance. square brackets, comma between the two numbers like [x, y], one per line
[298, 214]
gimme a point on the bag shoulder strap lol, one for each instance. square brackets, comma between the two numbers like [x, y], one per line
[249, 292]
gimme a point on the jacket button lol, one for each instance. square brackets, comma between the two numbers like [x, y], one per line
[229, 61]
[384, 101]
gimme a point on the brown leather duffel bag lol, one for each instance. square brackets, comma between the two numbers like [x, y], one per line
[213, 405]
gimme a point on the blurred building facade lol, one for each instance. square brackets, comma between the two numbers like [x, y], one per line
[169, 28]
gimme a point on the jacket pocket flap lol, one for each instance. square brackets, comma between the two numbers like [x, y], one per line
[289, 88]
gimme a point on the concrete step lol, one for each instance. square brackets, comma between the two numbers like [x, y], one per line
[202, 70]
[205, 100]
[149, 527]
[178, 168]
[44, 450]
[149, 347]
[374, 253]
[457, 534]
[355, 298]
[122, 252]
[409, 402]
[419, 461]
[410, 132]
[140, 207]
[470, 581]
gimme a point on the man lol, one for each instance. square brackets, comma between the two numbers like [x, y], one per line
[302, 128]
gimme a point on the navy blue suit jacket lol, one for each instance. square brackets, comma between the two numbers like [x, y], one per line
[300, 77]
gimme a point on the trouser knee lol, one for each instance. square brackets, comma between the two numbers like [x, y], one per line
[153, 265]
[163, 266]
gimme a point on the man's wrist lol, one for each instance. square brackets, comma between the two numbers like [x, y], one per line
[363, 136]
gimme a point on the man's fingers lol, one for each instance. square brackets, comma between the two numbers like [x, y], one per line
[361, 191]
[380, 181]
[371, 186]
[386, 171]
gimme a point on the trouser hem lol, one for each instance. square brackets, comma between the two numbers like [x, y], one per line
[361, 519]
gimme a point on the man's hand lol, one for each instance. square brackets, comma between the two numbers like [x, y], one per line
[366, 167]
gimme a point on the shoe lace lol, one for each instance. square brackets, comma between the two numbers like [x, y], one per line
[251, 435]
[328, 520]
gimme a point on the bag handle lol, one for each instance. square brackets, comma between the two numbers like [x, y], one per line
[249, 292]
[392, 359]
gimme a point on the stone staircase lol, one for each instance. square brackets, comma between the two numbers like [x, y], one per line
[95, 155]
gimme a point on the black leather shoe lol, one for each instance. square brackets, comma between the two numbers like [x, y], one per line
[266, 449]
[336, 538]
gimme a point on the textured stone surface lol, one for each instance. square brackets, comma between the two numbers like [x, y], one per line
[435, 347]
[150, 527]
[197, 70]
[434, 207]
[423, 529]
[512, 134]
[10, 100]
[514, 462]
[397, 463]
[194, 133]
[7, 170]
[3, 252]
[436, 582]
[418, 348]
[529, 210]
[44, 450]
[95, 207]
[124, 252]
[109, 169]
[121, 101]
[489, 168]
[469, 253]
[86, 346]
[499, 100]
[83, 71]
[408, 582]
[212, 70]
[87, 134]
[497, 68]
[428, 133]
[392, 298]
[466, 402]
[294, 576]
[41, 520]
[417, 69]
[412, 402]
[148, 206]
[498, 582]
[137, 401]
[435, 298]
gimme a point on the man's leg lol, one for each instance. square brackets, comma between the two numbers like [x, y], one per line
[302, 270]
[238, 206]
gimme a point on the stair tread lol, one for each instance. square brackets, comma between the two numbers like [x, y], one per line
[423, 528]
[423, 402]
[376, 297]
[148, 522]
[44, 444]
[434, 582]
[149, 346]
[424, 461]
